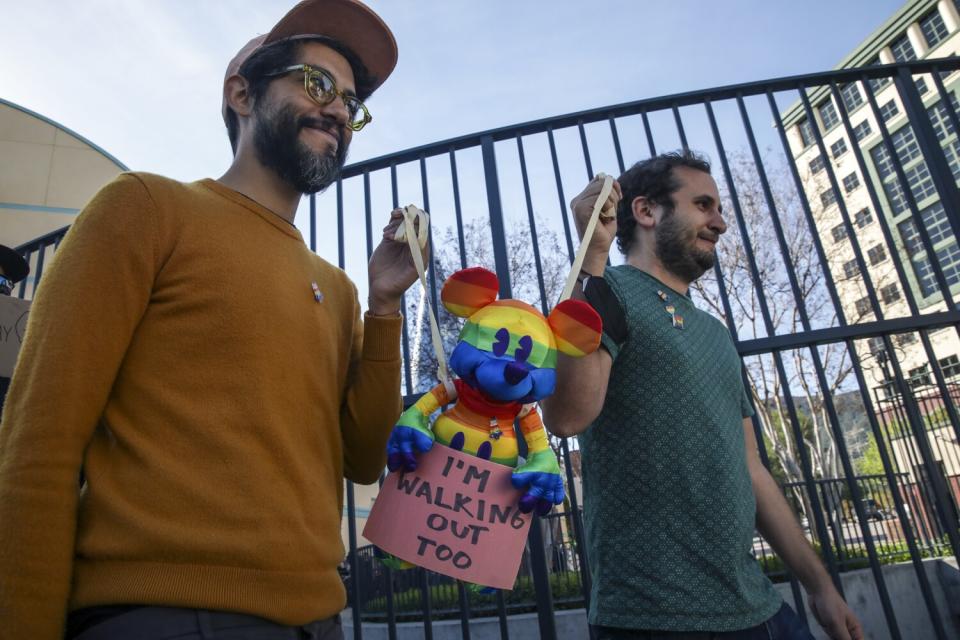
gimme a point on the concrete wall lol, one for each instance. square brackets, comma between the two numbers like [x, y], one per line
[912, 615]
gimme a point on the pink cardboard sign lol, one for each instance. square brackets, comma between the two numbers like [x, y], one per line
[456, 515]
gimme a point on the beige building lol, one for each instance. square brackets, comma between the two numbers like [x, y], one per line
[920, 29]
[47, 174]
[363, 496]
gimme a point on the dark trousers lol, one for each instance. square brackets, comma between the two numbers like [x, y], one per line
[166, 623]
[785, 625]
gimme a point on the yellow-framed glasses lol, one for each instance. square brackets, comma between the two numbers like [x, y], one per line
[322, 89]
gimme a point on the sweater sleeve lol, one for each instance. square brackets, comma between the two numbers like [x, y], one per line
[372, 404]
[81, 322]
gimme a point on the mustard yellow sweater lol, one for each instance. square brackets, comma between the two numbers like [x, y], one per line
[177, 352]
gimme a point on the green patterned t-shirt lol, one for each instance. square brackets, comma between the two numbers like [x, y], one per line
[668, 504]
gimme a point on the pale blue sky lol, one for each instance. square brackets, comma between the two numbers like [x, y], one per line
[142, 78]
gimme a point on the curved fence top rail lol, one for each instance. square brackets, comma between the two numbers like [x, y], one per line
[636, 107]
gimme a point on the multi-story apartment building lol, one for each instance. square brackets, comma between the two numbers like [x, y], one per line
[919, 30]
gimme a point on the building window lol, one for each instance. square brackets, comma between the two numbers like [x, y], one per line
[889, 110]
[851, 182]
[838, 148]
[875, 344]
[905, 339]
[940, 119]
[839, 233]
[863, 217]
[806, 133]
[903, 50]
[863, 306]
[877, 83]
[852, 98]
[817, 164]
[936, 222]
[896, 198]
[950, 366]
[920, 376]
[925, 276]
[934, 31]
[921, 85]
[921, 184]
[877, 254]
[905, 144]
[918, 257]
[890, 293]
[850, 269]
[828, 115]
[949, 259]
[882, 161]
[827, 198]
[952, 151]
[862, 130]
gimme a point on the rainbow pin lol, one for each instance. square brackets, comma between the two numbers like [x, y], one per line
[317, 294]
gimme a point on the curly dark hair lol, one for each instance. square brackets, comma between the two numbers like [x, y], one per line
[653, 179]
[284, 54]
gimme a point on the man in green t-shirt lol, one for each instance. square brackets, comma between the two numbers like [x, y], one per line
[672, 480]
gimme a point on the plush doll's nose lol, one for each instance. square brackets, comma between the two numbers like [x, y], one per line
[514, 373]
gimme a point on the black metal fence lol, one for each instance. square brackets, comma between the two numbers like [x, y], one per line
[837, 280]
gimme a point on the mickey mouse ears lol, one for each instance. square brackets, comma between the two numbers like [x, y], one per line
[577, 328]
[469, 290]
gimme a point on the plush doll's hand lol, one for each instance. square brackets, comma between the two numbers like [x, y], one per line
[411, 435]
[541, 474]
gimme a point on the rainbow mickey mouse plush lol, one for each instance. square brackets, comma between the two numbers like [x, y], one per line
[506, 361]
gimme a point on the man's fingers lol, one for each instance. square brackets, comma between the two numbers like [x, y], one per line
[853, 625]
[396, 219]
[837, 630]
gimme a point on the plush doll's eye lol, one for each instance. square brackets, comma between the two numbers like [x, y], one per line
[502, 342]
[523, 351]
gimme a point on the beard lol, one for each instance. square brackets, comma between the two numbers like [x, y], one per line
[677, 250]
[276, 140]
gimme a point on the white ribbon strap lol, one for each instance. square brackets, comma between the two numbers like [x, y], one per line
[587, 235]
[417, 238]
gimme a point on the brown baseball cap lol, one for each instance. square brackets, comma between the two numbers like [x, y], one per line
[351, 23]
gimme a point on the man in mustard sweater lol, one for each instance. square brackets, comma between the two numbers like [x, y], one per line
[209, 374]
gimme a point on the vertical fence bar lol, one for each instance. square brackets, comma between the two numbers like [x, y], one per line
[426, 595]
[367, 214]
[535, 538]
[560, 196]
[423, 578]
[616, 144]
[313, 221]
[341, 252]
[946, 187]
[464, 610]
[680, 130]
[827, 399]
[531, 220]
[457, 210]
[495, 208]
[768, 325]
[649, 132]
[352, 559]
[931, 151]
[586, 150]
[405, 345]
[356, 607]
